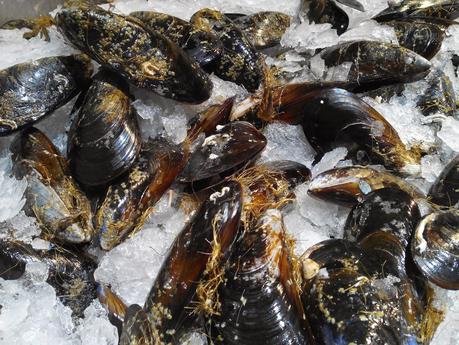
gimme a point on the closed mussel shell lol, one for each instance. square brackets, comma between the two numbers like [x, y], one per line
[435, 248]
[445, 190]
[104, 139]
[32, 90]
[146, 58]
[326, 11]
[52, 196]
[446, 9]
[439, 96]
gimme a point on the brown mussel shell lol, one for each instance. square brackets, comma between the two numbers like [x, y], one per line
[239, 62]
[52, 196]
[202, 46]
[104, 139]
[375, 64]
[201, 247]
[389, 209]
[261, 288]
[231, 146]
[70, 274]
[349, 185]
[263, 29]
[146, 58]
[445, 190]
[32, 90]
[435, 248]
[335, 117]
[129, 201]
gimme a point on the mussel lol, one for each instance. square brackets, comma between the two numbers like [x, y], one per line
[52, 196]
[445, 190]
[335, 117]
[263, 29]
[260, 297]
[104, 139]
[377, 63]
[199, 251]
[239, 62]
[435, 248]
[32, 90]
[202, 46]
[388, 209]
[439, 96]
[146, 58]
[70, 274]
[349, 185]
[447, 9]
[326, 11]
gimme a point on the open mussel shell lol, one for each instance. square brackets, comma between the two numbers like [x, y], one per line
[263, 29]
[129, 200]
[261, 289]
[202, 246]
[439, 96]
[104, 139]
[326, 11]
[435, 248]
[374, 64]
[445, 190]
[32, 90]
[231, 146]
[335, 117]
[389, 209]
[52, 196]
[70, 274]
[202, 46]
[349, 185]
[239, 62]
[146, 58]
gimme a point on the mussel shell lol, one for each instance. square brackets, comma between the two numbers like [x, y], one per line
[168, 302]
[70, 274]
[239, 62]
[295, 173]
[260, 289]
[32, 90]
[439, 97]
[129, 200]
[435, 248]
[422, 37]
[445, 190]
[232, 145]
[349, 185]
[263, 29]
[447, 9]
[136, 328]
[326, 11]
[389, 209]
[377, 63]
[52, 196]
[335, 117]
[146, 58]
[104, 139]
[202, 46]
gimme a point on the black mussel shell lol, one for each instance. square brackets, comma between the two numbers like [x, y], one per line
[375, 64]
[335, 117]
[435, 248]
[349, 185]
[202, 46]
[52, 196]
[328, 12]
[445, 9]
[70, 274]
[295, 173]
[260, 289]
[232, 145]
[439, 96]
[146, 58]
[385, 93]
[422, 37]
[239, 62]
[32, 90]
[389, 209]
[104, 139]
[212, 232]
[263, 29]
[445, 190]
